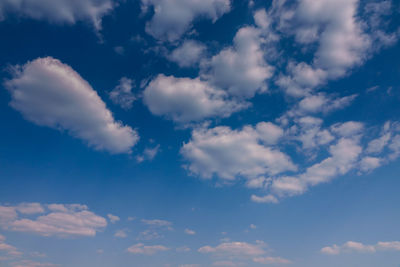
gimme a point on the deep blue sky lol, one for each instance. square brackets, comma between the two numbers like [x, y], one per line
[199, 133]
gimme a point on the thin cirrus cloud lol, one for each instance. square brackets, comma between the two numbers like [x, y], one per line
[60, 11]
[50, 93]
[53, 220]
[172, 18]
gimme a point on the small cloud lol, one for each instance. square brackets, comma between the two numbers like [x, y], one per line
[113, 218]
[189, 232]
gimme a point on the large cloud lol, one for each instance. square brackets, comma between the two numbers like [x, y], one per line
[50, 93]
[184, 99]
[58, 11]
[172, 18]
[241, 69]
[56, 219]
[229, 153]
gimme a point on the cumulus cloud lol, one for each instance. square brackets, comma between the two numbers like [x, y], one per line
[229, 154]
[146, 250]
[352, 247]
[189, 232]
[66, 220]
[50, 93]
[148, 154]
[184, 99]
[188, 54]
[264, 199]
[59, 11]
[172, 18]
[240, 69]
[271, 260]
[122, 94]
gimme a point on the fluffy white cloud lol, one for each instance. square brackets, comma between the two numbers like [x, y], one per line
[231, 153]
[184, 99]
[343, 157]
[264, 199]
[68, 220]
[50, 93]
[146, 250]
[351, 246]
[172, 18]
[58, 11]
[241, 69]
[122, 94]
[113, 218]
[188, 54]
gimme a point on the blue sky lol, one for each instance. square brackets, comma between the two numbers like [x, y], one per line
[199, 133]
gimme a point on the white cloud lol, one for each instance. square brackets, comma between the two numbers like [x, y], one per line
[235, 249]
[60, 11]
[30, 263]
[121, 234]
[351, 247]
[172, 18]
[157, 223]
[113, 218]
[370, 163]
[148, 154]
[50, 93]
[264, 199]
[189, 232]
[271, 260]
[149, 234]
[229, 153]
[122, 94]
[30, 208]
[188, 54]
[146, 250]
[10, 250]
[71, 220]
[184, 99]
[241, 69]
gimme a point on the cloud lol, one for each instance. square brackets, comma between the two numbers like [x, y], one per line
[188, 54]
[241, 69]
[184, 99]
[146, 250]
[30, 263]
[271, 260]
[122, 94]
[189, 232]
[352, 247]
[219, 151]
[121, 234]
[148, 154]
[60, 12]
[235, 249]
[264, 199]
[50, 93]
[157, 223]
[68, 220]
[30, 208]
[113, 218]
[172, 18]
[10, 250]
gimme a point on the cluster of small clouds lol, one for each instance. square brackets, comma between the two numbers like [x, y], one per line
[352, 247]
[51, 220]
[238, 254]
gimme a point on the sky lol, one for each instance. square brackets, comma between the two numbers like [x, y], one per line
[189, 133]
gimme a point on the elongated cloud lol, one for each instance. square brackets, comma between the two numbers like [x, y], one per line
[54, 220]
[50, 93]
